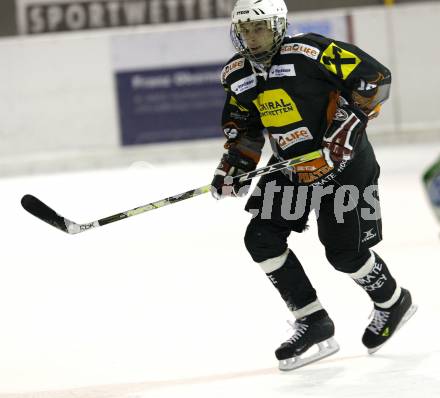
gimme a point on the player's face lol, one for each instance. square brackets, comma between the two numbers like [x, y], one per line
[257, 36]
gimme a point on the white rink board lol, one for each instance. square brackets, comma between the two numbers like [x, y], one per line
[155, 306]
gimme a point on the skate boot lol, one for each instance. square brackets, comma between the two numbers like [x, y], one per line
[315, 329]
[387, 321]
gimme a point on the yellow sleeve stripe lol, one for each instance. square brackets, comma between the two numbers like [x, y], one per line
[233, 101]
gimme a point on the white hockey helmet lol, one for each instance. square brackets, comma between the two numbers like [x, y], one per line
[272, 12]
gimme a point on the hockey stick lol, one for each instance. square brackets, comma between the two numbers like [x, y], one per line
[40, 210]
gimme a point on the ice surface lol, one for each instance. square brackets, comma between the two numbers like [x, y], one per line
[170, 304]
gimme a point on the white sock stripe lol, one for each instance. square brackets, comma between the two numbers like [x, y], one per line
[365, 269]
[308, 309]
[392, 300]
[272, 264]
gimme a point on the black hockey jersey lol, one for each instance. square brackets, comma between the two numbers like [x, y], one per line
[295, 98]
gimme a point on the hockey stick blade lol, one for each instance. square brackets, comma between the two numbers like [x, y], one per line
[42, 211]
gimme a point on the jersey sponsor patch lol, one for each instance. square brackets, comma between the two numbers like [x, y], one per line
[338, 61]
[244, 84]
[232, 67]
[293, 137]
[282, 70]
[300, 48]
[276, 108]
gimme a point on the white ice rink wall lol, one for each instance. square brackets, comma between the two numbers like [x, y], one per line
[58, 100]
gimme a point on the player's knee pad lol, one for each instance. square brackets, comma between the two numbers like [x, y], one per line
[348, 261]
[264, 240]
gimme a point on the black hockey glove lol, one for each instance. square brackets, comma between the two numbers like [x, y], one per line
[344, 133]
[231, 164]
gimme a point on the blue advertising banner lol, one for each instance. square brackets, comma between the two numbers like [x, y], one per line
[161, 105]
[338, 27]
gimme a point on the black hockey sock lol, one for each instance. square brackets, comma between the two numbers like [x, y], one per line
[293, 284]
[375, 278]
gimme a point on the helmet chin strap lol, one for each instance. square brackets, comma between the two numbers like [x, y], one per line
[263, 56]
[266, 63]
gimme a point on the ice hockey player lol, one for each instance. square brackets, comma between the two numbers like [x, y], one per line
[431, 181]
[308, 92]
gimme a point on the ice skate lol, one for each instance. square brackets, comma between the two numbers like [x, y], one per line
[386, 322]
[316, 330]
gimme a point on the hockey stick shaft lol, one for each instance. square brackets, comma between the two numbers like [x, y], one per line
[40, 210]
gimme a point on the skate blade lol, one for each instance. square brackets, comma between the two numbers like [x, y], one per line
[326, 348]
[411, 311]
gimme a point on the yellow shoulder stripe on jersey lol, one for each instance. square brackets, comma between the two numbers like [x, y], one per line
[339, 61]
[233, 101]
[277, 109]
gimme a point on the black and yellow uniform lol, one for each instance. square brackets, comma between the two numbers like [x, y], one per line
[294, 100]
[308, 92]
